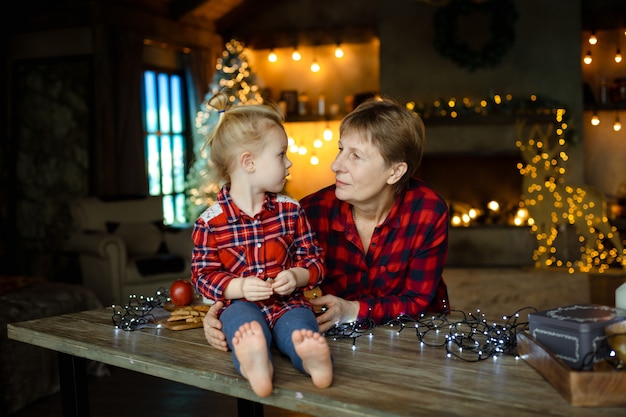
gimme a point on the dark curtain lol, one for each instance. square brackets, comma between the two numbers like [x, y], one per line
[199, 66]
[118, 155]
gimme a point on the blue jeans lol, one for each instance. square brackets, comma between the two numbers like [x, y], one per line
[240, 312]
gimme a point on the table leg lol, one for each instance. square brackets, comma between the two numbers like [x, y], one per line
[247, 408]
[73, 379]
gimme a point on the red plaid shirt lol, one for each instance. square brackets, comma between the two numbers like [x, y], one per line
[402, 271]
[230, 244]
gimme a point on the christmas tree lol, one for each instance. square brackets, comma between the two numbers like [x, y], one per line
[234, 77]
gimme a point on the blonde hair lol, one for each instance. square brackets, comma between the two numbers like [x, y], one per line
[240, 128]
[394, 130]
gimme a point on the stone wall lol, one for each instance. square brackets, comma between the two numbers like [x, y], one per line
[52, 111]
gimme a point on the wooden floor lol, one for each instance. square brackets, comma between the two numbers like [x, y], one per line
[129, 394]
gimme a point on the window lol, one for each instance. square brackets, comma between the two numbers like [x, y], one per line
[165, 140]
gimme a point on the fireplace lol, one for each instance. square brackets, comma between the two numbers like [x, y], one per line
[470, 166]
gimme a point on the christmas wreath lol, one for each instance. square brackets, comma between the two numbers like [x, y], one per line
[447, 37]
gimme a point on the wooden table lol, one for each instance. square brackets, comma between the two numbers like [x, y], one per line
[383, 374]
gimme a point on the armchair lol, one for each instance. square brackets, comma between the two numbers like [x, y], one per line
[125, 249]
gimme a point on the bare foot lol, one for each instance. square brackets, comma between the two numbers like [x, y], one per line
[315, 354]
[251, 351]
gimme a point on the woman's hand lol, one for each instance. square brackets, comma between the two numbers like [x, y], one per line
[213, 328]
[337, 311]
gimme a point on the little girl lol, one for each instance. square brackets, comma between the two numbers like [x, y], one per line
[254, 249]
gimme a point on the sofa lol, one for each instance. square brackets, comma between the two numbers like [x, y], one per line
[124, 249]
[28, 372]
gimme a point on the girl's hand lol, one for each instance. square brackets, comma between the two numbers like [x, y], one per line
[255, 289]
[285, 282]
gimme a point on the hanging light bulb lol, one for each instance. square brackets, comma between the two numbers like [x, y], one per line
[295, 55]
[593, 39]
[595, 120]
[328, 134]
[314, 160]
[587, 60]
[291, 142]
[338, 51]
[617, 126]
[315, 67]
[272, 56]
[618, 56]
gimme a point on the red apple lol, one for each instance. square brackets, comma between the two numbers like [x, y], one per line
[181, 292]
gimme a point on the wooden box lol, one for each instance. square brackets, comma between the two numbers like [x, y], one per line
[573, 333]
[606, 388]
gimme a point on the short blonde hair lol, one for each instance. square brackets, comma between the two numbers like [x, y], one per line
[241, 128]
[397, 133]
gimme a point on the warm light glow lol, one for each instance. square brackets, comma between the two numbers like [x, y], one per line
[302, 150]
[587, 60]
[618, 56]
[617, 126]
[318, 143]
[314, 160]
[456, 220]
[328, 134]
[595, 120]
[293, 148]
[338, 52]
[296, 55]
[593, 39]
[315, 67]
[272, 56]
[493, 205]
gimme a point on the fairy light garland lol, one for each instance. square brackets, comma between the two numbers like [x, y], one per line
[466, 336]
[137, 313]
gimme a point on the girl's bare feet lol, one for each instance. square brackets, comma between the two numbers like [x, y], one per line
[251, 351]
[315, 354]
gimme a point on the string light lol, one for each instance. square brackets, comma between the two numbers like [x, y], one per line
[618, 56]
[338, 51]
[328, 134]
[272, 56]
[552, 203]
[295, 55]
[588, 59]
[315, 67]
[466, 336]
[593, 39]
[137, 313]
[595, 120]
[617, 126]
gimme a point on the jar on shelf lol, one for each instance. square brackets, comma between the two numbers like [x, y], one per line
[604, 92]
[303, 104]
[619, 93]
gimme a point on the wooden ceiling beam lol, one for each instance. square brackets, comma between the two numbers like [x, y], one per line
[181, 8]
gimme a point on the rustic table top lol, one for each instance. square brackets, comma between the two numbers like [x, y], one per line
[382, 373]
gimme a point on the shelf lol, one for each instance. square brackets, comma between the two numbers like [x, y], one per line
[606, 107]
[490, 120]
[313, 118]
